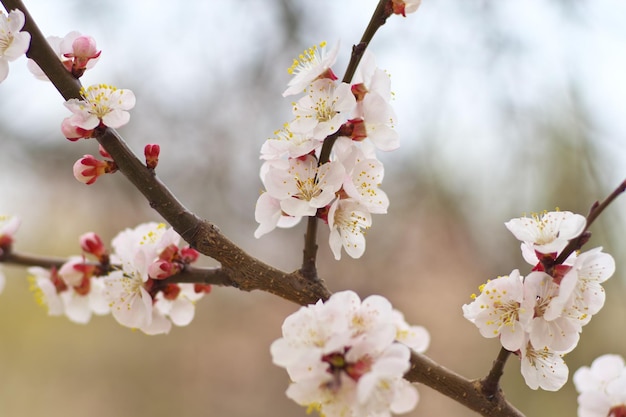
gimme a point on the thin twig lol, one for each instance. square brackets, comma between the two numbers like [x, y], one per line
[596, 209]
[490, 384]
[454, 386]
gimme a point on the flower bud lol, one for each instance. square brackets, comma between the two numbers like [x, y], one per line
[163, 269]
[151, 151]
[72, 132]
[83, 50]
[91, 243]
[87, 169]
[189, 255]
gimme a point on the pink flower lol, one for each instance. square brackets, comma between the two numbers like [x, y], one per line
[77, 52]
[82, 52]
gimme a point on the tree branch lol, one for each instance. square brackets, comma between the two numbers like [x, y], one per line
[238, 268]
[466, 392]
[490, 385]
[596, 209]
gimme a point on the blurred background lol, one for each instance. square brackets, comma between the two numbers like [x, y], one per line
[504, 108]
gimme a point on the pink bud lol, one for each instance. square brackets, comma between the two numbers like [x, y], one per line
[71, 273]
[162, 269]
[8, 228]
[87, 169]
[169, 253]
[83, 50]
[72, 132]
[84, 47]
[151, 151]
[202, 288]
[91, 243]
[171, 292]
[189, 255]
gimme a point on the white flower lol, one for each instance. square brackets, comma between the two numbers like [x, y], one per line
[313, 63]
[13, 43]
[342, 358]
[371, 79]
[580, 293]
[269, 215]
[543, 368]
[74, 49]
[288, 144]
[101, 103]
[602, 387]
[135, 249]
[348, 220]
[500, 310]
[363, 178]
[379, 119]
[323, 110]
[77, 305]
[415, 337]
[558, 332]
[138, 301]
[303, 187]
[546, 233]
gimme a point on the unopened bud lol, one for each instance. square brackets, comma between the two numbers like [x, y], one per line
[72, 132]
[87, 169]
[83, 50]
[91, 243]
[151, 151]
[163, 269]
[189, 255]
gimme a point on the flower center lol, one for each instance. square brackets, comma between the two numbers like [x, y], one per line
[307, 188]
[339, 364]
[306, 60]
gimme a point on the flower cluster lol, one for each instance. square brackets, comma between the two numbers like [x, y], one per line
[100, 105]
[347, 357]
[13, 42]
[540, 316]
[77, 53]
[302, 177]
[127, 283]
[602, 387]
